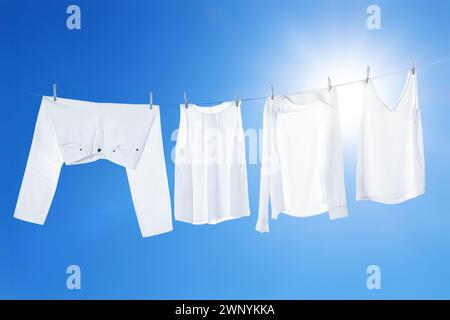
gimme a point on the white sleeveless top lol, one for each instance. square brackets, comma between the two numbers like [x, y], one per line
[391, 165]
[210, 166]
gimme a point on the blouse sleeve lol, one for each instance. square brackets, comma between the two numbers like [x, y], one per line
[270, 184]
[333, 167]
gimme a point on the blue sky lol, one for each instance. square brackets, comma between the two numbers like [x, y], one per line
[215, 50]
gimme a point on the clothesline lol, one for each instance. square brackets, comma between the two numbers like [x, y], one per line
[424, 67]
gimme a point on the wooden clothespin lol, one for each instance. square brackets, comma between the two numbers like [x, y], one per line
[329, 84]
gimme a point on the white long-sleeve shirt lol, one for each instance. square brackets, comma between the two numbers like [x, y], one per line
[302, 167]
[75, 132]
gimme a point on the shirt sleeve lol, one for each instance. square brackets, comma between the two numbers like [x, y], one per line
[41, 173]
[270, 183]
[333, 168]
[149, 186]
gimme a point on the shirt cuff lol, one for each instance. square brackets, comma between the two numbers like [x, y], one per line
[338, 212]
[262, 226]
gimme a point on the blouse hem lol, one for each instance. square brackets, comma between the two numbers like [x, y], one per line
[212, 221]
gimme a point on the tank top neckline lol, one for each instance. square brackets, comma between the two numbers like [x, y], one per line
[386, 107]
